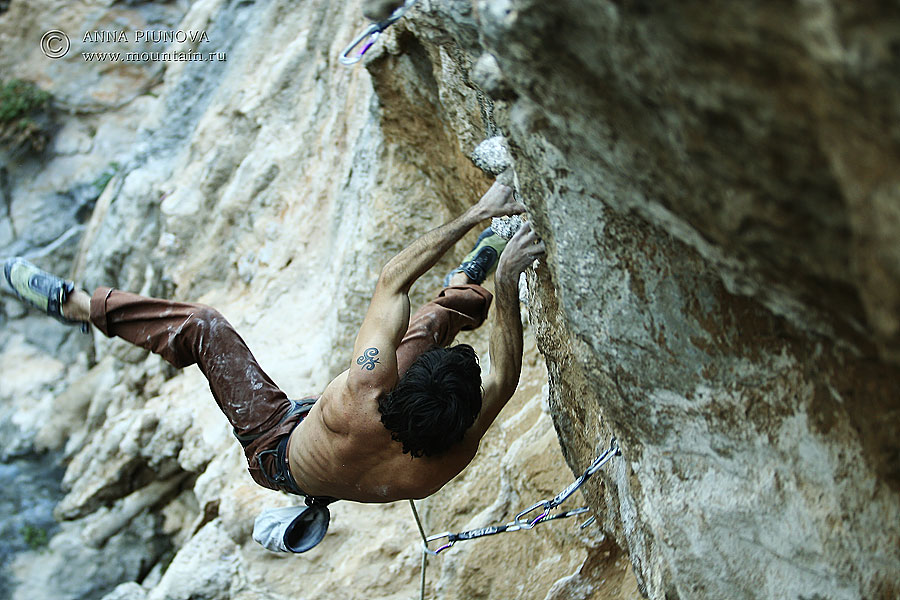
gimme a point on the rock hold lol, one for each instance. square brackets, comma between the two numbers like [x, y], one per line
[486, 74]
[506, 227]
[492, 155]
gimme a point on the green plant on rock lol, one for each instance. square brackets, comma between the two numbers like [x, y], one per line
[24, 115]
[105, 177]
[35, 537]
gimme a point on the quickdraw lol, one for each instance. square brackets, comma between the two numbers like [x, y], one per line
[372, 32]
[520, 523]
[472, 534]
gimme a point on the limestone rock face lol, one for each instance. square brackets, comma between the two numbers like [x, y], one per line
[721, 292]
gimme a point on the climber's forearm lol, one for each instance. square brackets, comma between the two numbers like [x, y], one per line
[506, 337]
[411, 263]
[506, 329]
[505, 352]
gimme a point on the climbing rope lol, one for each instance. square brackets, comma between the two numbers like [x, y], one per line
[412, 505]
[520, 523]
[372, 32]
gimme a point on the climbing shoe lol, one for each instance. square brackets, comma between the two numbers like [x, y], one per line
[479, 263]
[38, 288]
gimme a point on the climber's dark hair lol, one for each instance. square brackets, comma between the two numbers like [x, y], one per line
[435, 402]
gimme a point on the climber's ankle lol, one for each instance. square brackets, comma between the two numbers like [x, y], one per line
[78, 306]
[459, 278]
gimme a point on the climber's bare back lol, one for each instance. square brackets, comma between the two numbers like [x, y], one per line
[342, 449]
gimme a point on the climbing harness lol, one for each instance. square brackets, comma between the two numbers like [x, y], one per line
[372, 32]
[520, 523]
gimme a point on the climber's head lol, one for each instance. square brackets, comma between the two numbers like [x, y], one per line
[435, 402]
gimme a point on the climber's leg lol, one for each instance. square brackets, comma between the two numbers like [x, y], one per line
[462, 304]
[481, 261]
[38, 288]
[78, 306]
[184, 334]
[459, 278]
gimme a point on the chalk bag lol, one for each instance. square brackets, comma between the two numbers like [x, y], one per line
[291, 529]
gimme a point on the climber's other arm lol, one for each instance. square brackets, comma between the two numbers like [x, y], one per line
[506, 329]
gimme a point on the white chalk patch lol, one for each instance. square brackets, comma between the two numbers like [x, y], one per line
[506, 227]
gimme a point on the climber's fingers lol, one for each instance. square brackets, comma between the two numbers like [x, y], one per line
[534, 250]
[537, 250]
[525, 236]
[523, 249]
[513, 207]
[498, 201]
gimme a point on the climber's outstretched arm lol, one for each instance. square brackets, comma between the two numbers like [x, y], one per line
[404, 269]
[506, 329]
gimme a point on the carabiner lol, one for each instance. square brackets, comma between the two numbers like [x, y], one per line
[604, 458]
[372, 32]
[529, 524]
[434, 538]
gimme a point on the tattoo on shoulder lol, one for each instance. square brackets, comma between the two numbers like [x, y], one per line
[368, 361]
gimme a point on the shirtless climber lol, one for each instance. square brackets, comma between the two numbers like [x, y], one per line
[406, 416]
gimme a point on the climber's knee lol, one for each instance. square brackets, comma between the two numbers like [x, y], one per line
[197, 337]
[206, 315]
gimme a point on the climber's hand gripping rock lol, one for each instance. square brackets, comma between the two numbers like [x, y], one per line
[522, 250]
[498, 201]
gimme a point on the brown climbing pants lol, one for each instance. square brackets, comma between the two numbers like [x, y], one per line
[185, 334]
